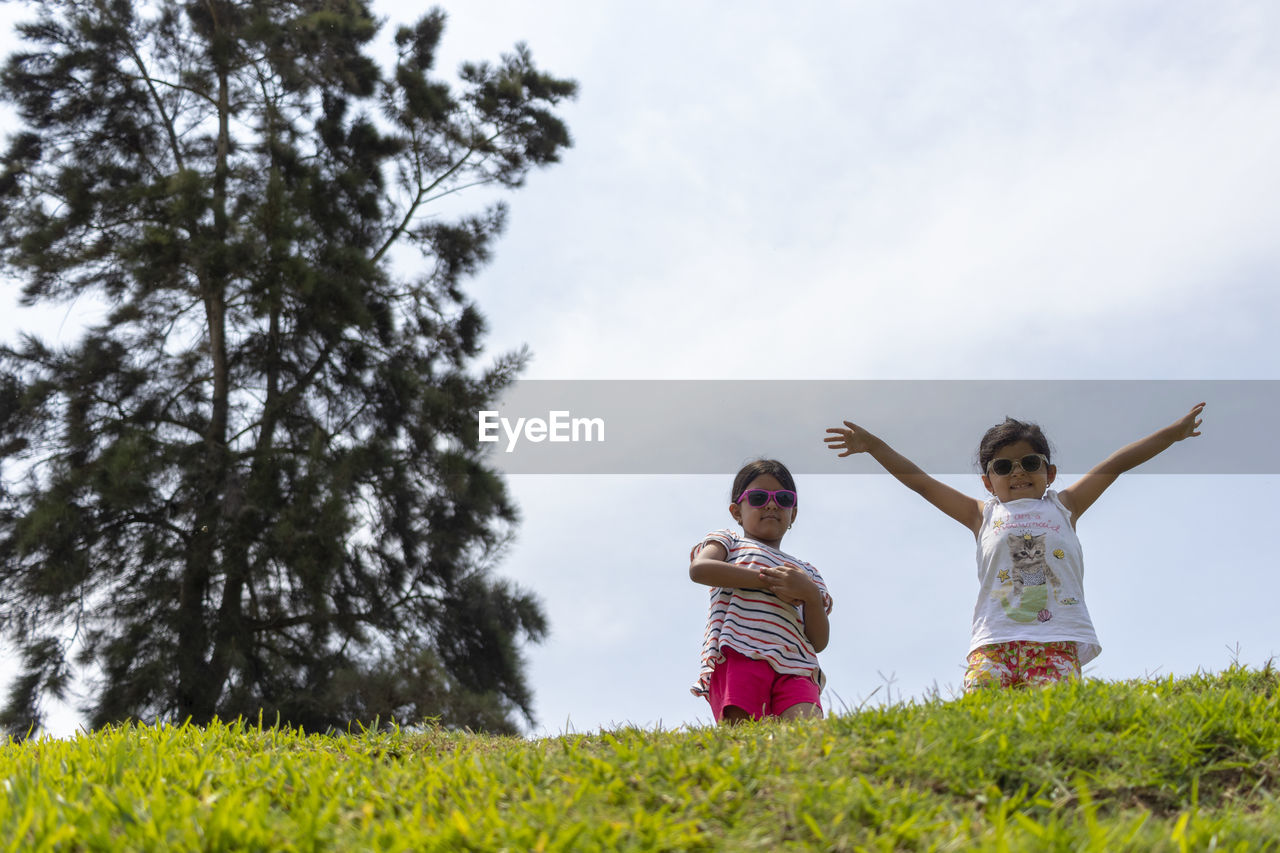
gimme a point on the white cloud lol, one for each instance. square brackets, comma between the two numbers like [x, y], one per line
[906, 174]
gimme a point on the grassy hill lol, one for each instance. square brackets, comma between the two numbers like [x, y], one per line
[1186, 764]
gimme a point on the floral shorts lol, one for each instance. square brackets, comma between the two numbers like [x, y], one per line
[1021, 664]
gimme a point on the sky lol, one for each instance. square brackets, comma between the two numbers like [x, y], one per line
[926, 194]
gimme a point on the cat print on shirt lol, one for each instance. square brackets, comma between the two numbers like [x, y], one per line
[1029, 601]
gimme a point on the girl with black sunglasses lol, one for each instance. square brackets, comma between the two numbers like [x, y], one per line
[767, 618]
[1030, 624]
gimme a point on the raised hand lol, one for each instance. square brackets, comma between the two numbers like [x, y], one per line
[1188, 425]
[1081, 494]
[850, 439]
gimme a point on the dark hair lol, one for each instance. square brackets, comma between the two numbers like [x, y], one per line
[757, 468]
[1010, 432]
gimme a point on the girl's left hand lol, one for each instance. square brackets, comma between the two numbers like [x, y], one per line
[1188, 425]
[790, 583]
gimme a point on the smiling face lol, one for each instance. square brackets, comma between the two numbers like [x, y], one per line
[766, 523]
[1018, 484]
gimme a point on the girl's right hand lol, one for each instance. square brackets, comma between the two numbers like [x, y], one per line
[852, 439]
[790, 583]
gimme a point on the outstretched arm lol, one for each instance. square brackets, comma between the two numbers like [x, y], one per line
[1081, 494]
[854, 439]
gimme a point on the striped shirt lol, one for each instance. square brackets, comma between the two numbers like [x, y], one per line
[755, 622]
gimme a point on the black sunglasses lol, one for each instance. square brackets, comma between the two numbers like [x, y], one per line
[785, 498]
[1029, 463]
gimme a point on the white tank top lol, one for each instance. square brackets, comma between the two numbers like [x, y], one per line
[1031, 577]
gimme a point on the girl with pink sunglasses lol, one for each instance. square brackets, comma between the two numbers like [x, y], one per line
[767, 618]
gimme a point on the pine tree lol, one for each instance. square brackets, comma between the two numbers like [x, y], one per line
[255, 485]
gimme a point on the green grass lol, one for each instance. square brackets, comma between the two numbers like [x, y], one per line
[1188, 764]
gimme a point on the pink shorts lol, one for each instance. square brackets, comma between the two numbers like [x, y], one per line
[1021, 663]
[755, 687]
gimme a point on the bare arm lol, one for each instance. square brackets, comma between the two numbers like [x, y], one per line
[954, 503]
[710, 569]
[816, 626]
[789, 582]
[1081, 494]
[793, 585]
